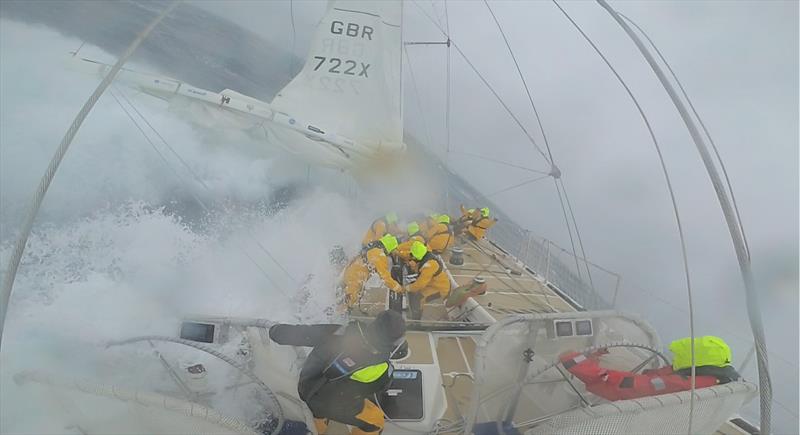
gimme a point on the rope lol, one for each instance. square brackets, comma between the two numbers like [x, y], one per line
[522, 77]
[702, 124]
[546, 142]
[737, 237]
[500, 162]
[270, 395]
[580, 240]
[486, 83]
[419, 99]
[47, 178]
[569, 229]
[205, 186]
[180, 178]
[447, 76]
[674, 202]
[294, 36]
[532, 180]
[519, 123]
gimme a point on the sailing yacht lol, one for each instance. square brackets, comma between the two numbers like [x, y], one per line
[487, 366]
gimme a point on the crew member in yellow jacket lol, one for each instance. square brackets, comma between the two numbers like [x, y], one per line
[375, 257]
[380, 227]
[476, 221]
[432, 282]
[439, 234]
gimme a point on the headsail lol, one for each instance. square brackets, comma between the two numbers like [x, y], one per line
[350, 85]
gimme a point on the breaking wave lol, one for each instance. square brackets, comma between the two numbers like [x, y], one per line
[122, 249]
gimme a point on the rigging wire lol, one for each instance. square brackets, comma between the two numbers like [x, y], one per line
[55, 162]
[181, 179]
[202, 183]
[522, 77]
[294, 37]
[569, 227]
[448, 73]
[684, 254]
[745, 266]
[580, 242]
[486, 83]
[702, 125]
[500, 162]
[419, 99]
[436, 13]
[518, 122]
[546, 143]
[524, 183]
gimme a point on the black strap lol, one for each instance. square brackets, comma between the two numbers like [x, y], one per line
[428, 257]
[371, 245]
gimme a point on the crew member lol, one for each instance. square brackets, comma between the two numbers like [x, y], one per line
[380, 227]
[439, 234]
[712, 367]
[431, 283]
[475, 222]
[412, 229]
[414, 234]
[375, 257]
[347, 367]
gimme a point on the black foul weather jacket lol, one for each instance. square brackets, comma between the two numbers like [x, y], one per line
[342, 369]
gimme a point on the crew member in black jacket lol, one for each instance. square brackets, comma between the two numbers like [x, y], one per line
[348, 366]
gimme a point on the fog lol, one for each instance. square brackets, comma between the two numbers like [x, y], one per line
[117, 224]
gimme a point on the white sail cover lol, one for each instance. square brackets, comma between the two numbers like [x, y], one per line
[350, 85]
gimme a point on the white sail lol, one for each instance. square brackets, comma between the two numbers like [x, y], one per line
[350, 85]
[343, 110]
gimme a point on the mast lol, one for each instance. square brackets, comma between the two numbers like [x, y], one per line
[736, 232]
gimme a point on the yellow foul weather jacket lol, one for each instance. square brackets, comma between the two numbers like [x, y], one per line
[432, 280]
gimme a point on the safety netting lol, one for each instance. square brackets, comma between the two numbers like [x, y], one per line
[89, 407]
[520, 386]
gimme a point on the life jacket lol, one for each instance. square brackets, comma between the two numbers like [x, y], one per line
[360, 368]
[368, 247]
[428, 257]
[375, 232]
[623, 385]
[477, 222]
[372, 245]
[431, 237]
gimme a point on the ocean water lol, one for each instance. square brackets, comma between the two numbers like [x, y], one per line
[122, 248]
